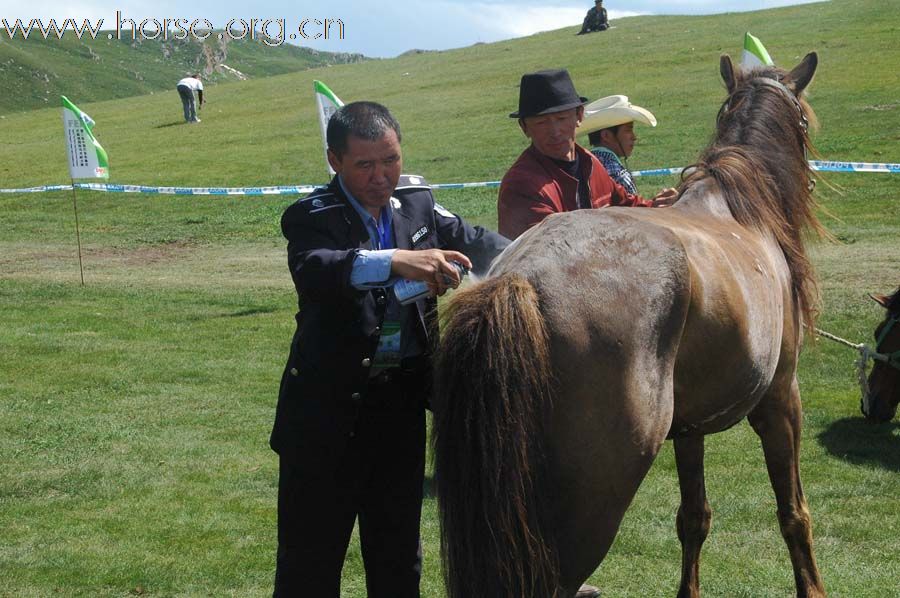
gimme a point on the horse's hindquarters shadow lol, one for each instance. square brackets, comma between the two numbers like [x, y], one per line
[857, 441]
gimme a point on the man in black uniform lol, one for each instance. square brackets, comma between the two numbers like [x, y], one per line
[595, 20]
[350, 422]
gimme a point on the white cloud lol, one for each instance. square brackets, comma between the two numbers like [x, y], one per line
[53, 9]
[683, 7]
[515, 20]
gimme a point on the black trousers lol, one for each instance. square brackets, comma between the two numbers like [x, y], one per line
[379, 480]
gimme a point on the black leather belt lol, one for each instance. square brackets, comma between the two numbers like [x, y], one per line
[398, 388]
[409, 367]
[385, 376]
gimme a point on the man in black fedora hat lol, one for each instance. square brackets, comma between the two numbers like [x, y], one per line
[555, 174]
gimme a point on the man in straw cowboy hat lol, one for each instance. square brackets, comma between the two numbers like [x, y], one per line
[555, 174]
[609, 123]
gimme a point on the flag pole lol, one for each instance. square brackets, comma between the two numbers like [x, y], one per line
[326, 104]
[87, 158]
[77, 233]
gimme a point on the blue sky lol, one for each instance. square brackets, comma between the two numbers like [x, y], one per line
[385, 28]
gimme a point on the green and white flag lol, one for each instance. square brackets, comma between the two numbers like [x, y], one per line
[327, 104]
[87, 158]
[754, 53]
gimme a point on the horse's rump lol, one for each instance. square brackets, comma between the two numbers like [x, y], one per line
[558, 319]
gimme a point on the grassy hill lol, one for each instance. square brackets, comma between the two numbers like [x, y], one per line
[135, 411]
[453, 105]
[35, 71]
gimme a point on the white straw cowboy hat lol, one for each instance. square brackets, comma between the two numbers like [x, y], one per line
[611, 111]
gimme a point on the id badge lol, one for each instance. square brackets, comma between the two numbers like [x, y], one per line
[388, 353]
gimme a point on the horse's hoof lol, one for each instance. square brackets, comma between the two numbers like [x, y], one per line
[586, 591]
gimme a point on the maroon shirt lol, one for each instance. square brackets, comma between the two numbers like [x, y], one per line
[536, 186]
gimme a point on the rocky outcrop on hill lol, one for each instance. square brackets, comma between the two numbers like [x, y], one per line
[35, 72]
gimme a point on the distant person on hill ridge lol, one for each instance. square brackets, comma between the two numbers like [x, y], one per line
[186, 88]
[595, 20]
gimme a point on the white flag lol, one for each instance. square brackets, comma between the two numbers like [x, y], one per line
[87, 158]
[327, 104]
[754, 54]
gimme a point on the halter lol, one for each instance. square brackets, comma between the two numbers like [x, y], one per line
[804, 122]
[891, 359]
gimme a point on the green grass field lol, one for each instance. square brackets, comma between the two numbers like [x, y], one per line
[135, 411]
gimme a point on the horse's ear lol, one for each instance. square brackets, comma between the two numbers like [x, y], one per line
[726, 68]
[880, 299]
[803, 72]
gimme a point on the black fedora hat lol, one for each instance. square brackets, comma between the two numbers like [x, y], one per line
[546, 92]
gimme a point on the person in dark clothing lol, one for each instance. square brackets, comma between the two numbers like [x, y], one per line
[595, 19]
[350, 422]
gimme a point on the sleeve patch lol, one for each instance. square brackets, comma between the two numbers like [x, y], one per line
[443, 211]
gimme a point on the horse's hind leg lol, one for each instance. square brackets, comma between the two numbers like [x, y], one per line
[693, 514]
[777, 421]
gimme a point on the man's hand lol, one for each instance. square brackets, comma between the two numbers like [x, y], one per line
[433, 266]
[665, 198]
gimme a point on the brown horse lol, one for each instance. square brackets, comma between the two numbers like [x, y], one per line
[880, 403]
[600, 333]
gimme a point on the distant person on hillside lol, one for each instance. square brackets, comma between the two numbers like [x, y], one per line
[555, 174]
[595, 20]
[186, 88]
[609, 123]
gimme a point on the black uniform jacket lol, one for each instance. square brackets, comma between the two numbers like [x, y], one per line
[338, 326]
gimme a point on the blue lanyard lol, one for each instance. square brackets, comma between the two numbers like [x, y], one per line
[383, 226]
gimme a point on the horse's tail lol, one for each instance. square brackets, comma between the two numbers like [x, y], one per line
[492, 381]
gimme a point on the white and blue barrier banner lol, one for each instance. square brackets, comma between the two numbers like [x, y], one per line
[824, 166]
[109, 188]
[818, 165]
[657, 172]
[40, 189]
[279, 190]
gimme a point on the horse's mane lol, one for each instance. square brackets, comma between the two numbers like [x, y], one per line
[758, 158]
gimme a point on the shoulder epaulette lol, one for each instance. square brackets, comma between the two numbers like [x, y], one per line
[412, 181]
[319, 200]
